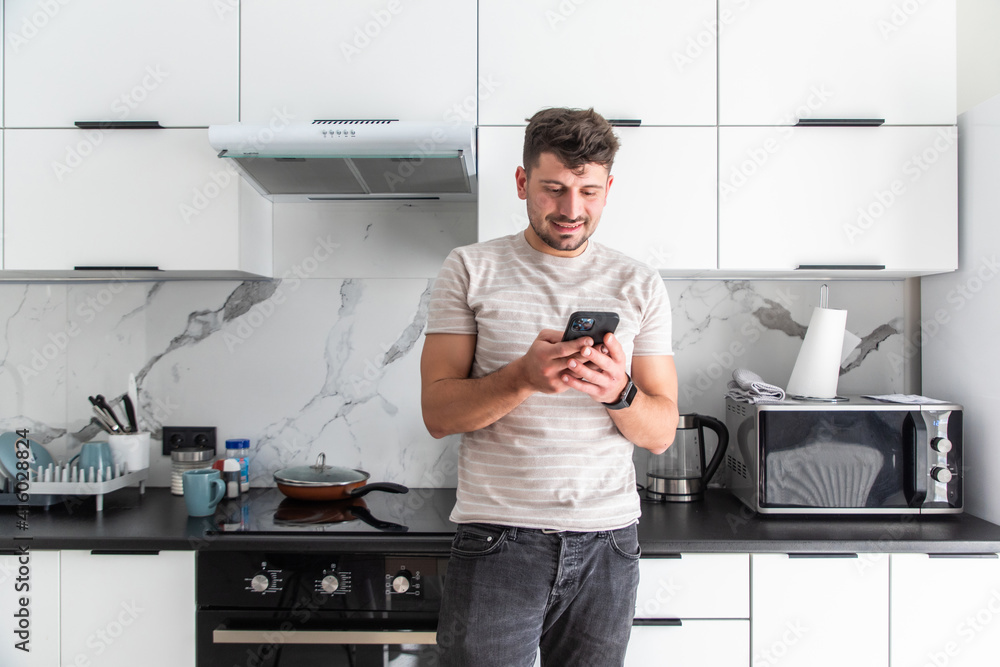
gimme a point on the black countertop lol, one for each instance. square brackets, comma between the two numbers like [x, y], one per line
[158, 520]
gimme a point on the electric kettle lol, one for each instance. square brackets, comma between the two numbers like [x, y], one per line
[679, 474]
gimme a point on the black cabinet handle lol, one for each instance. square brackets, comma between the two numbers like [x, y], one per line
[658, 622]
[124, 552]
[116, 268]
[824, 555]
[841, 122]
[118, 124]
[968, 555]
[625, 122]
[840, 267]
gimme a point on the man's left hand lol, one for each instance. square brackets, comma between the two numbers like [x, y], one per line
[599, 370]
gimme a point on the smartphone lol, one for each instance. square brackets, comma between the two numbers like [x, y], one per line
[592, 323]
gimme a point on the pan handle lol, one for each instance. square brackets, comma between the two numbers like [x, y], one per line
[366, 516]
[391, 487]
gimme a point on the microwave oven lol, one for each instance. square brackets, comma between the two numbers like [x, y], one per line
[854, 456]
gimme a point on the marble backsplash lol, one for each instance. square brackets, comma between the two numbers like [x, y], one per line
[326, 358]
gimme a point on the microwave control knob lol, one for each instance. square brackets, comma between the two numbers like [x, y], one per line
[942, 445]
[401, 583]
[259, 583]
[329, 584]
[942, 475]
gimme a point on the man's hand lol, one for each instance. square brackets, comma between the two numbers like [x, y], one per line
[598, 370]
[549, 359]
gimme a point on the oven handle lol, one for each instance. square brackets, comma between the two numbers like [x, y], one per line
[220, 636]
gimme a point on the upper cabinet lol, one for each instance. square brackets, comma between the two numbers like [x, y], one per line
[127, 199]
[645, 60]
[784, 60]
[661, 206]
[121, 60]
[371, 59]
[838, 200]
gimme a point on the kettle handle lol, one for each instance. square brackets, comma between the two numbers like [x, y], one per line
[723, 434]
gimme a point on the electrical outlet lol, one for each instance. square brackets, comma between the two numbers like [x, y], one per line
[187, 436]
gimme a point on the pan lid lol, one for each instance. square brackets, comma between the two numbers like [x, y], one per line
[320, 474]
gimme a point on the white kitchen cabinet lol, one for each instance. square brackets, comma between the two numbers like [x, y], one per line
[312, 59]
[964, 594]
[122, 610]
[661, 206]
[783, 60]
[872, 196]
[31, 579]
[820, 610]
[639, 59]
[693, 609]
[121, 60]
[126, 198]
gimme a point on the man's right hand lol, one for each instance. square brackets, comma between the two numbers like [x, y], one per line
[547, 360]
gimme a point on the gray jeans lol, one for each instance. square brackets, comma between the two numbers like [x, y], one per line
[509, 591]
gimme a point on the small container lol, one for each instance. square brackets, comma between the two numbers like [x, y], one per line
[183, 459]
[239, 449]
[231, 476]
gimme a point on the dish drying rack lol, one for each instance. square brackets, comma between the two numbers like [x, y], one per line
[57, 483]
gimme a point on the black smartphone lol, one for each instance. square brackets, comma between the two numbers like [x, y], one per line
[591, 323]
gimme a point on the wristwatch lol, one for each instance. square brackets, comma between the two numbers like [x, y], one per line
[625, 400]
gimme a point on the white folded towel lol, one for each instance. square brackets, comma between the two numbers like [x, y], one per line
[749, 387]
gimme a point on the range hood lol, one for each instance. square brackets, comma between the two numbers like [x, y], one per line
[326, 160]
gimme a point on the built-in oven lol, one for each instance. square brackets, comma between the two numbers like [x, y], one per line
[369, 597]
[281, 609]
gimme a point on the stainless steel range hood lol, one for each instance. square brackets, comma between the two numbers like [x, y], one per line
[326, 160]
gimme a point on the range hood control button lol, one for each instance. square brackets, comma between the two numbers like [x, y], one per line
[942, 445]
[942, 475]
[259, 583]
[329, 584]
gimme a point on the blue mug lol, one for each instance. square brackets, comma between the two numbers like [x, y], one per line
[203, 489]
[96, 455]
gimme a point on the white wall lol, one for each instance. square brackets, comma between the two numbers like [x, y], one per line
[978, 52]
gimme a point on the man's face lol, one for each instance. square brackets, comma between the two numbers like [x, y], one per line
[564, 207]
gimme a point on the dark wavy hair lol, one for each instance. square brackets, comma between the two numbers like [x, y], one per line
[577, 137]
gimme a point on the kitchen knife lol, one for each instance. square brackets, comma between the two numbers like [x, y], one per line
[133, 394]
[130, 414]
[102, 403]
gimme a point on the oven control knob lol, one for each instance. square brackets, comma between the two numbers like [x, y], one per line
[942, 475]
[942, 445]
[259, 583]
[329, 583]
[401, 582]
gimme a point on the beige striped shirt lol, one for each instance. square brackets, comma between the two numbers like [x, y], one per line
[556, 461]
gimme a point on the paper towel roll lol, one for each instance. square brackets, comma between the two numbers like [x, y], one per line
[817, 368]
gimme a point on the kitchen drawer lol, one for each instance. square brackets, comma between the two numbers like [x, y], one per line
[690, 644]
[694, 586]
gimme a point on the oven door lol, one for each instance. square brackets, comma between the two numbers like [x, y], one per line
[290, 639]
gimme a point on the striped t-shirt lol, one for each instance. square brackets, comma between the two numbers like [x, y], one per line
[556, 461]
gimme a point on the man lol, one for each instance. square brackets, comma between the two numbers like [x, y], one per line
[546, 553]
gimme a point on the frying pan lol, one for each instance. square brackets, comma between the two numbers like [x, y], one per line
[323, 482]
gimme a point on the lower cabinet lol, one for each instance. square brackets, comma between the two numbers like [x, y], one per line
[122, 610]
[945, 610]
[29, 606]
[692, 609]
[820, 610]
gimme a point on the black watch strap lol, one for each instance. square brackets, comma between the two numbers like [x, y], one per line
[626, 398]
